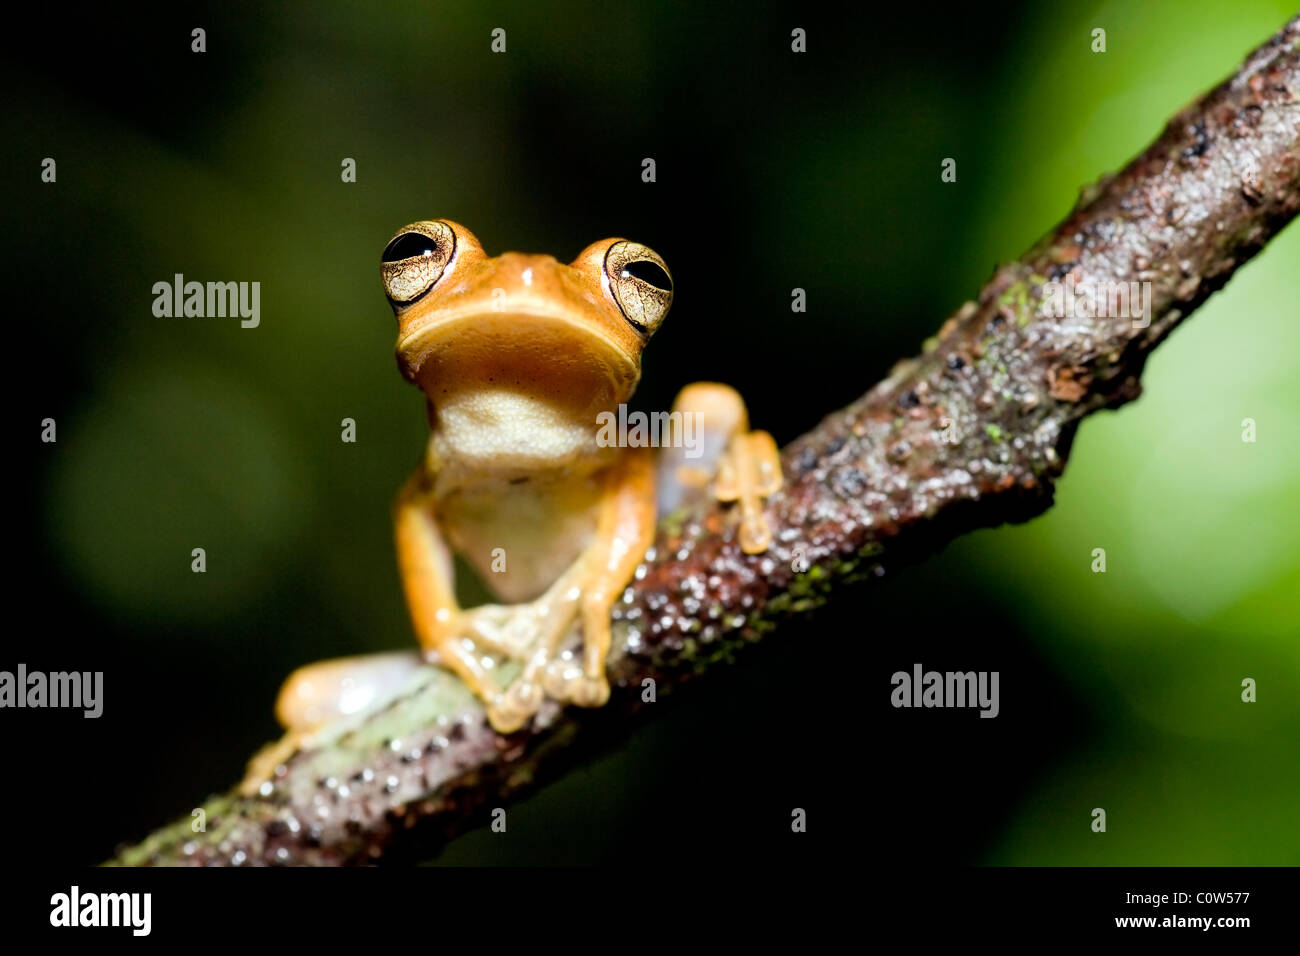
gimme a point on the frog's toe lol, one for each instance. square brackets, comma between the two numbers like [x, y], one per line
[750, 473]
[565, 680]
[587, 691]
[504, 718]
[511, 710]
[755, 533]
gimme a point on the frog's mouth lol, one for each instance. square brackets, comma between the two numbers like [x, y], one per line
[550, 355]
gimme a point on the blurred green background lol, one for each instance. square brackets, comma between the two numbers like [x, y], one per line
[1119, 690]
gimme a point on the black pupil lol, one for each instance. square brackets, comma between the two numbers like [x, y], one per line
[649, 273]
[408, 246]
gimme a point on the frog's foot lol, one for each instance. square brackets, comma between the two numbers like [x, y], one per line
[507, 631]
[745, 465]
[749, 473]
[533, 631]
[262, 767]
[565, 679]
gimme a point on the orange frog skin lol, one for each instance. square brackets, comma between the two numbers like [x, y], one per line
[520, 358]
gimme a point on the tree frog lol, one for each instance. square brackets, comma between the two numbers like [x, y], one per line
[518, 357]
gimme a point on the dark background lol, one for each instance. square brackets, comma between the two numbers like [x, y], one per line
[775, 170]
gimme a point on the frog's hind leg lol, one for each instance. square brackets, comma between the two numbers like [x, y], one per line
[320, 694]
[712, 442]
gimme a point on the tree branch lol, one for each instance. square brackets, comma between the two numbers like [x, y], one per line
[971, 433]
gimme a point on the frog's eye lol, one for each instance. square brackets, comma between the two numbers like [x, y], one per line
[414, 260]
[640, 283]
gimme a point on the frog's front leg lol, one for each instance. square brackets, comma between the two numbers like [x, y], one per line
[624, 533]
[712, 442]
[444, 631]
[624, 530]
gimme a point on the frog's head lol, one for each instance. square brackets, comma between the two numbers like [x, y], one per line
[567, 336]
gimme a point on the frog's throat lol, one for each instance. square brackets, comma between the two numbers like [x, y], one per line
[554, 356]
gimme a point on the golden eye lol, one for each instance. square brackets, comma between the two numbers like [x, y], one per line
[641, 284]
[414, 260]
